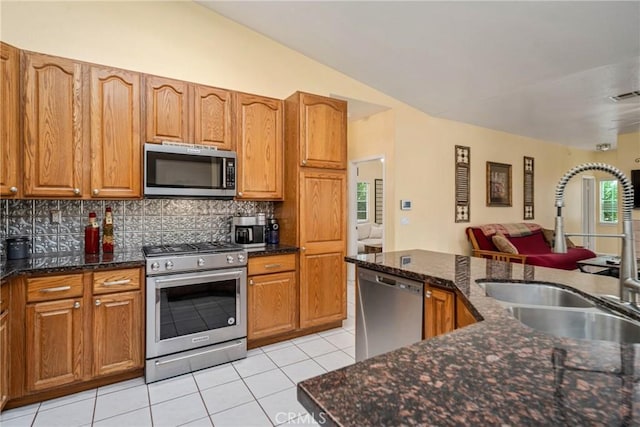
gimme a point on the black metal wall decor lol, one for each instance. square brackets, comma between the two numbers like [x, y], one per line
[528, 188]
[378, 200]
[462, 190]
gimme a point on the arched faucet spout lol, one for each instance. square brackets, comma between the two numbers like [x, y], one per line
[629, 284]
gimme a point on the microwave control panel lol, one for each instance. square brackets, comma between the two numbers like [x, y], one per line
[231, 174]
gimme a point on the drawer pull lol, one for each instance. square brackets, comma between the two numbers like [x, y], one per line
[272, 265]
[76, 304]
[116, 282]
[58, 289]
[98, 302]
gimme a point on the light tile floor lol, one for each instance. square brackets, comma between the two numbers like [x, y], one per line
[257, 391]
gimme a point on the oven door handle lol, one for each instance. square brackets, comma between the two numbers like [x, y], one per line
[178, 280]
[202, 353]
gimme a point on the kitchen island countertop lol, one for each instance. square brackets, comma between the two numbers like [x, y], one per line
[495, 372]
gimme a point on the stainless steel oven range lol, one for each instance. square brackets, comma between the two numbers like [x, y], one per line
[196, 307]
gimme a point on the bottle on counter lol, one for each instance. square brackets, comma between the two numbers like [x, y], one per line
[107, 232]
[92, 235]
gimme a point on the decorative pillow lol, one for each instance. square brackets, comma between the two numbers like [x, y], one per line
[363, 230]
[550, 237]
[503, 244]
[376, 232]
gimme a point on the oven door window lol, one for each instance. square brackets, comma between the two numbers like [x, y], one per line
[197, 308]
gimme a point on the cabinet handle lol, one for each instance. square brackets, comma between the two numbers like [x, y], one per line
[303, 249]
[76, 191]
[98, 302]
[13, 190]
[251, 281]
[427, 294]
[272, 265]
[304, 162]
[58, 289]
[116, 282]
[96, 191]
[76, 304]
[240, 193]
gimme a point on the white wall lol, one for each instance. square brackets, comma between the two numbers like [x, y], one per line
[187, 41]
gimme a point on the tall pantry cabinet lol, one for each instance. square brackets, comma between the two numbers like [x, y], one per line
[314, 213]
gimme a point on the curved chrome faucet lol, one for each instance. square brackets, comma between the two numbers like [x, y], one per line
[629, 283]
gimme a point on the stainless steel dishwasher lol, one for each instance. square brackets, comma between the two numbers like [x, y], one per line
[388, 313]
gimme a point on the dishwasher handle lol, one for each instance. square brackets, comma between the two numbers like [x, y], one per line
[385, 280]
[400, 284]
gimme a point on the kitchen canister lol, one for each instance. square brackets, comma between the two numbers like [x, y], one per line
[18, 247]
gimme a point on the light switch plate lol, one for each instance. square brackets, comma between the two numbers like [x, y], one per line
[55, 216]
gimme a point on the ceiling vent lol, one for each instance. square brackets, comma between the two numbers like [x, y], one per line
[625, 96]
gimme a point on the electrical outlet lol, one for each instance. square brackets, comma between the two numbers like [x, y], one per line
[55, 216]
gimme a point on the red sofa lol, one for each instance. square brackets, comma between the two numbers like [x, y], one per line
[530, 242]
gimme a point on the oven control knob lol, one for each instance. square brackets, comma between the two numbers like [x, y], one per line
[240, 258]
[155, 266]
[200, 262]
[229, 259]
[169, 265]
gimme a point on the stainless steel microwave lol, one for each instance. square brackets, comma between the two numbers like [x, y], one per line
[182, 170]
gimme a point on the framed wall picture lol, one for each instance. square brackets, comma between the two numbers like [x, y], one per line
[498, 184]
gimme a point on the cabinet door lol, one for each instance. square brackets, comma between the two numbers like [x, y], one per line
[53, 132]
[4, 358]
[439, 312]
[167, 110]
[463, 315]
[115, 133]
[272, 304]
[259, 143]
[212, 117]
[322, 241]
[117, 332]
[9, 121]
[323, 132]
[54, 343]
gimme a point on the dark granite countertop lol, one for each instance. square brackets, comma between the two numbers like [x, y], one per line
[69, 261]
[272, 250]
[495, 372]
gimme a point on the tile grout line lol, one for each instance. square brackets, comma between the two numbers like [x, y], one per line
[202, 399]
[254, 396]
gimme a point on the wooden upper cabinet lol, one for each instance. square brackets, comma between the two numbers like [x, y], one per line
[53, 129]
[212, 117]
[259, 144]
[167, 110]
[10, 179]
[323, 132]
[323, 208]
[115, 133]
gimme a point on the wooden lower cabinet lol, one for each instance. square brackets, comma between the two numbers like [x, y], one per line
[272, 304]
[439, 311]
[322, 288]
[54, 343]
[463, 315]
[4, 358]
[117, 332]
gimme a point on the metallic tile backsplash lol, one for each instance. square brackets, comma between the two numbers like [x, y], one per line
[136, 222]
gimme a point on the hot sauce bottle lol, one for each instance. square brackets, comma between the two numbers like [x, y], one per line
[92, 235]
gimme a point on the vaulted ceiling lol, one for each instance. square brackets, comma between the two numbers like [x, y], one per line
[540, 69]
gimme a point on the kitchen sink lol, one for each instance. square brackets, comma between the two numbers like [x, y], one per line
[535, 294]
[588, 324]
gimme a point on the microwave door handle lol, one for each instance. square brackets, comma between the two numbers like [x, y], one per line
[224, 173]
[250, 229]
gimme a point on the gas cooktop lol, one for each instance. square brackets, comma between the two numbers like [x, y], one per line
[189, 248]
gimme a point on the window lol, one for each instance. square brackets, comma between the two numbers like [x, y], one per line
[609, 202]
[362, 201]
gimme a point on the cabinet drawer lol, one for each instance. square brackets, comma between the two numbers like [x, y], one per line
[271, 264]
[116, 280]
[54, 287]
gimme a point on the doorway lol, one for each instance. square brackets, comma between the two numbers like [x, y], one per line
[366, 207]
